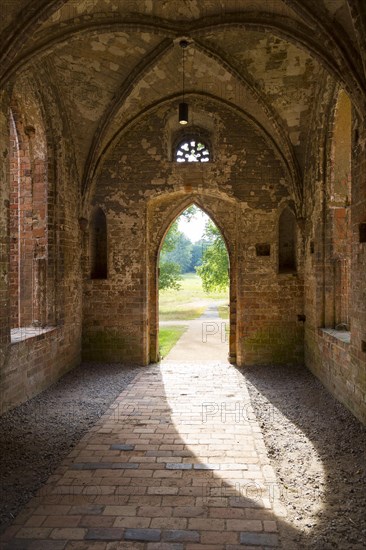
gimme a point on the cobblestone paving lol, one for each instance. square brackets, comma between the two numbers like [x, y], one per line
[178, 462]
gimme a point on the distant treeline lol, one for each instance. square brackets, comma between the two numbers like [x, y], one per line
[208, 257]
[186, 254]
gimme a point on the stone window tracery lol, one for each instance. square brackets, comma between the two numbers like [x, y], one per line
[192, 150]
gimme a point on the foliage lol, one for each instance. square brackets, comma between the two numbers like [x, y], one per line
[197, 252]
[215, 261]
[169, 271]
[169, 275]
[190, 212]
[182, 253]
[175, 255]
[208, 257]
[170, 240]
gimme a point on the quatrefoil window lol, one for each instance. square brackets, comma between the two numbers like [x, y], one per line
[192, 150]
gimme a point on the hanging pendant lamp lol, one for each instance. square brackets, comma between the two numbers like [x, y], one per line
[183, 107]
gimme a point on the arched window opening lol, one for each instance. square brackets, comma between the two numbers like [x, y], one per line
[287, 242]
[28, 225]
[98, 245]
[192, 150]
[194, 283]
[14, 275]
[339, 228]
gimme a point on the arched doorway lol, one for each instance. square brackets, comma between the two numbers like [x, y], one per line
[194, 290]
[210, 208]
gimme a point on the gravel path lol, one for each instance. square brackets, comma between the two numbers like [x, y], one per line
[318, 450]
[37, 435]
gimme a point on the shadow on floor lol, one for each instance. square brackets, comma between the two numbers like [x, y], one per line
[160, 416]
[307, 428]
[183, 477]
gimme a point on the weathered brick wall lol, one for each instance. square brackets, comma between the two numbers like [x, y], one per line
[30, 365]
[357, 380]
[333, 232]
[141, 191]
[115, 310]
[4, 228]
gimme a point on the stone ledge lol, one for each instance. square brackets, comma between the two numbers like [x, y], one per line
[340, 335]
[25, 333]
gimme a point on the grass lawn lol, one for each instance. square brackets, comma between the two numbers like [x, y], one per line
[224, 311]
[190, 301]
[168, 337]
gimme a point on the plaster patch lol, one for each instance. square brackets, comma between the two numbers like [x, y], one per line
[97, 46]
[146, 37]
[118, 52]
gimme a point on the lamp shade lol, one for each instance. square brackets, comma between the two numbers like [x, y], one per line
[183, 113]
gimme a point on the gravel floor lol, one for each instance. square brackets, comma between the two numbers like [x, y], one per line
[317, 447]
[318, 450]
[37, 435]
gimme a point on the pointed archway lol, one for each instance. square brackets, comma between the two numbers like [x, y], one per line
[173, 208]
[194, 290]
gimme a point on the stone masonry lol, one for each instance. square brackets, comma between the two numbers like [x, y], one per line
[89, 96]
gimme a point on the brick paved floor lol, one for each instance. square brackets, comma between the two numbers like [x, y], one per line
[178, 463]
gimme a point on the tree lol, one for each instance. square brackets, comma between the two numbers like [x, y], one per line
[170, 240]
[190, 212]
[169, 276]
[214, 270]
[176, 254]
[197, 253]
[169, 271]
[182, 252]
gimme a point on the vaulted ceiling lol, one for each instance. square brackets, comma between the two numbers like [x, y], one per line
[111, 61]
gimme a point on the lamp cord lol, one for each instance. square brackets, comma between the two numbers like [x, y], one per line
[183, 72]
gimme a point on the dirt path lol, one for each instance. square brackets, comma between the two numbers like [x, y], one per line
[205, 339]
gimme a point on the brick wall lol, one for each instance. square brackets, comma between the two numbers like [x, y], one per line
[115, 313]
[50, 293]
[335, 276]
[357, 390]
[244, 189]
[4, 228]
[34, 363]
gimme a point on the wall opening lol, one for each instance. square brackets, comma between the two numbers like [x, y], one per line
[287, 242]
[28, 225]
[338, 243]
[98, 245]
[194, 285]
[362, 233]
[192, 149]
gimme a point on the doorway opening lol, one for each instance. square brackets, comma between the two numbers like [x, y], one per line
[194, 290]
